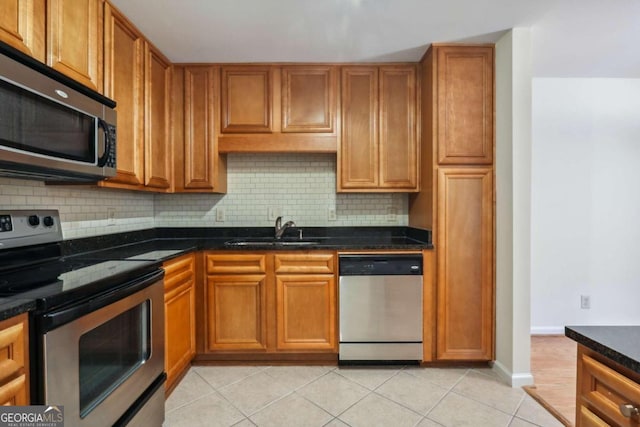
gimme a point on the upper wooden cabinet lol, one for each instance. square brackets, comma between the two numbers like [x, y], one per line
[308, 99]
[278, 108]
[247, 99]
[14, 361]
[198, 166]
[378, 149]
[74, 40]
[124, 82]
[464, 104]
[22, 26]
[138, 78]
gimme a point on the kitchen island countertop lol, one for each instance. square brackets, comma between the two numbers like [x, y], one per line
[618, 343]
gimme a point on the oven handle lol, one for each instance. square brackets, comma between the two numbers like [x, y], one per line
[58, 318]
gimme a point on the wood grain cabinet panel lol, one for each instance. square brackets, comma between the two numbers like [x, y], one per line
[602, 387]
[157, 120]
[74, 40]
[246, 99]
[379, 146]
[308, 99]
[465, 106]
[236, 312]
[124, 83]
[236, 263]
[465, 260]
[180, 323]
[300, 263]
[306, 312]
[359, 159]
[22, 26]
[14, 361]
[398, 136]
[202, 169]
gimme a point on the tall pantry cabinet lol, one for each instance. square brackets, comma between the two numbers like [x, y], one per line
[457, 121]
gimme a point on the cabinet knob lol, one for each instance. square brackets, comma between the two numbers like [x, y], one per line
[628, 410]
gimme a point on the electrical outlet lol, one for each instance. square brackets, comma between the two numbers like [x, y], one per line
[220, 215]
[332, 215]
[585, 302]
[111, 216]
[392, 214]
[273, 213]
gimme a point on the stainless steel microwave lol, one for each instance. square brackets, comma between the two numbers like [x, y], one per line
[52, 128]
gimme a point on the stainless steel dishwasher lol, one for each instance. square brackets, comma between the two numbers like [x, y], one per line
[380, 307]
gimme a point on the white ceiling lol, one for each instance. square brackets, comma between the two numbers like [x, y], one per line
[571, 38]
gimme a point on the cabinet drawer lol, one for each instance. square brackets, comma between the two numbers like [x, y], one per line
[236, 263]
[179, 272]
[304, 263]
[604, 390]
[589, 419]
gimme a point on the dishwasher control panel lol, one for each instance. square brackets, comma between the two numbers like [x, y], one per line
[380, 265]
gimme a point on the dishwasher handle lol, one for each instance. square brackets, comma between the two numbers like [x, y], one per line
[381, 265]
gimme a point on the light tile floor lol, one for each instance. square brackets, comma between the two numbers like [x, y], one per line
[283, 396]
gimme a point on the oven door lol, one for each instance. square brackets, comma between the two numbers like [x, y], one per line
[98, 364]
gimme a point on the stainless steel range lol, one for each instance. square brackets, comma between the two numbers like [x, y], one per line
[97, 334]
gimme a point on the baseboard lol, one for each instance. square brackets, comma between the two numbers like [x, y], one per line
[547, 330]
[514, 380]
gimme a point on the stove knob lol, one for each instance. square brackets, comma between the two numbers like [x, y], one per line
[34, 221]
[48, 221]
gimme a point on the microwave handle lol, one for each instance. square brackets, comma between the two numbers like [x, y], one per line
[108, 142]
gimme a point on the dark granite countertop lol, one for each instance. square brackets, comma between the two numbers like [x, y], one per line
[162, 244]
[618, 343]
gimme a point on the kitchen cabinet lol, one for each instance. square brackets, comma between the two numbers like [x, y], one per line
[22, 26]
[457, 200]
[305, 301]
[14, 361]
[236, 302]
[378, 149]
[180, 327]
[602, 387]
[270, 304]
[464, 107]
[465, 247]
[278, 108]
[198, 166]
[74, 42]
[138, 78]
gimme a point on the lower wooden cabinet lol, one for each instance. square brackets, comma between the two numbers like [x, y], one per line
[270, 302]
[14, 361]
[179, 302]
[464, 238]
[603, 388]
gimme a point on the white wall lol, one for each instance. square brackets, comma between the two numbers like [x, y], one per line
[301, 186]
[585, 202]
[513, 206]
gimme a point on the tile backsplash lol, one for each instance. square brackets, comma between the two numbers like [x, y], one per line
[300, 187]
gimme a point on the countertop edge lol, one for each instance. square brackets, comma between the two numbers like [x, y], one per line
[605, 350]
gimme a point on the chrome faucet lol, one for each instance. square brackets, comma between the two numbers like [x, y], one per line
[280, 229]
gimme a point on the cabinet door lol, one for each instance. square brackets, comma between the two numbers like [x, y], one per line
[22, 26]
[306, 312]
[124, 83]
[465, 104]
[157, 120]
[246, 99]
[236, 312]
[398, 134]
[74, 40]
[200, 154]
[179, 302]
[308, 99]
[358, 161]
[465, 329]
[14, 361]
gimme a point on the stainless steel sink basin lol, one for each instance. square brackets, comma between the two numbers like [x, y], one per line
[270, 242]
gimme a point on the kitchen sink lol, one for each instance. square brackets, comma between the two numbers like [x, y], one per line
[270, 242]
